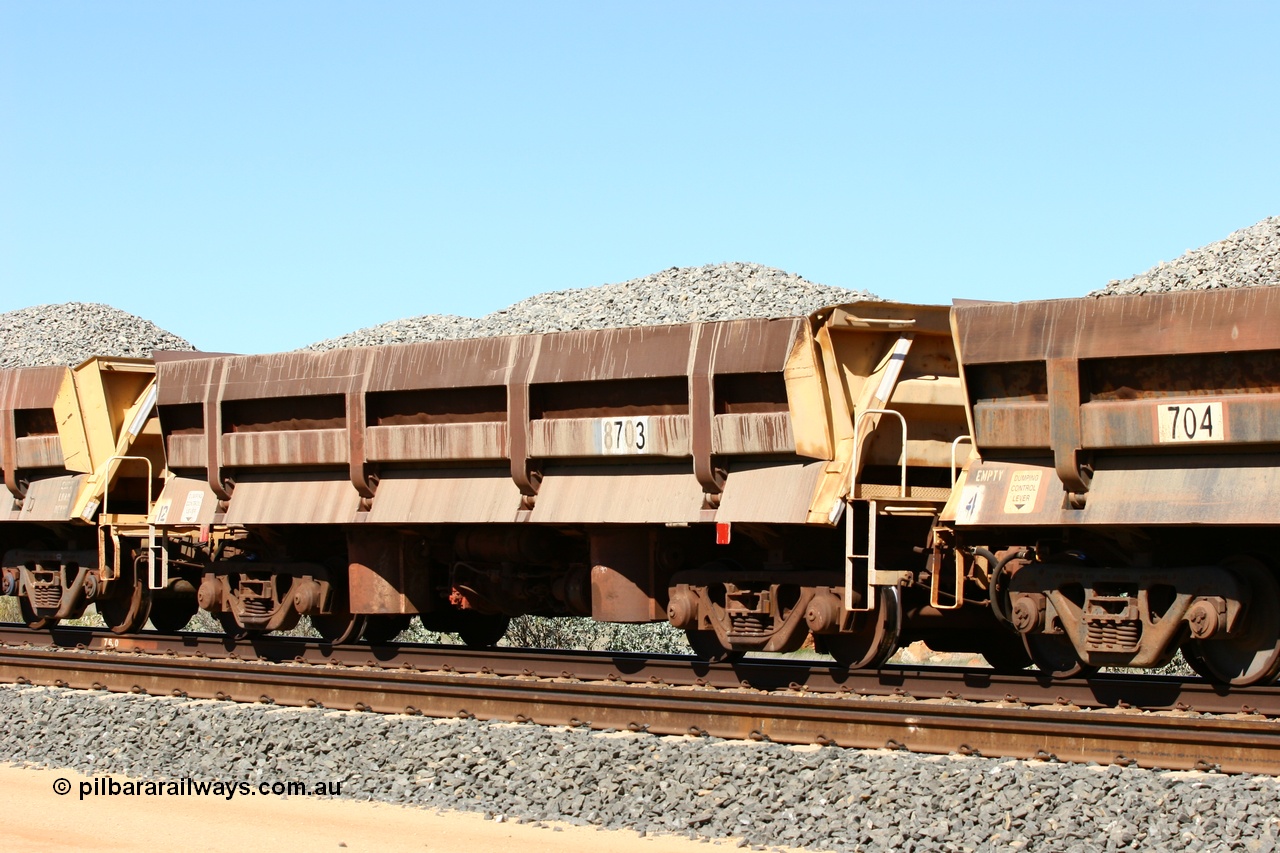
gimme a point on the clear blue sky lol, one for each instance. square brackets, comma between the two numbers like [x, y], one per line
[257, 176]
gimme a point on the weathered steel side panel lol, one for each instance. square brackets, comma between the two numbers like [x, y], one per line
[293, 374]
[1151, 491]
[446, 496]
[611, 354]
[769, 492]
[733, 435]
[185, 380]
[755, 346]
[39, 451]
[50, 499]
[186, 451]
[437, 442]
[27, 396]
[1014, 424]
[293, 498]
[1228, 320]
[481, 362]
[285, 447]
[31, 387]
[618, 494]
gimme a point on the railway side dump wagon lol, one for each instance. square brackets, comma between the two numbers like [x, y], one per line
[699, 473]
[1129, 476]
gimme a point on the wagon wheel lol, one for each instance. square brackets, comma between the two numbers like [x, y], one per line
[172, 613]
[1252, 656]
[381, 629]
[127, 609]
[706, 646]
[230, 626]
[481, 630]
[339, 625]
[34, 622]
[874, 636]
[1054, 656]
[1006, 655]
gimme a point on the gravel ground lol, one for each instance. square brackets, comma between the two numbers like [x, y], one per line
[763, 794]
[73, 331]
[677, 295]
[1247, 258]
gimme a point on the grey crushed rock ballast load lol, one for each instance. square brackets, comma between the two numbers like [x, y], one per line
[70, 332]
[1247, 258]
[677, 295]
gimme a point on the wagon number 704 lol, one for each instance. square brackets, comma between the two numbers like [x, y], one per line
[1184, 422]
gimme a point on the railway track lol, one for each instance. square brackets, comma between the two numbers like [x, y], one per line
[1154, 722]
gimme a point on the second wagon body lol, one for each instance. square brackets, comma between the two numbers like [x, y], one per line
[698, 473]
[1130, 467]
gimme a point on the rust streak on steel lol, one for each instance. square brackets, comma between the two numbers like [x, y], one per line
[1244, 743]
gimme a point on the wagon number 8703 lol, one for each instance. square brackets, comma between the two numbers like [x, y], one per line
[1183, 422]
[624, 435]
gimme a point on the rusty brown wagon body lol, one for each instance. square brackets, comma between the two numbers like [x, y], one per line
[1129, 473]
[698, 473]
[753, 482]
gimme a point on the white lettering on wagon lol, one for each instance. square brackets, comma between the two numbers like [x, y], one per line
[1024, 489]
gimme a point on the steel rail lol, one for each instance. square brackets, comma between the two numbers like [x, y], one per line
[1142, 692]
[1231, 743]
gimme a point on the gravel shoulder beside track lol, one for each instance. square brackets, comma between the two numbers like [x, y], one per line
[271, 824]
[759, 794]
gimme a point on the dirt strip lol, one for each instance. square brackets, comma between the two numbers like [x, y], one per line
[45, 822]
